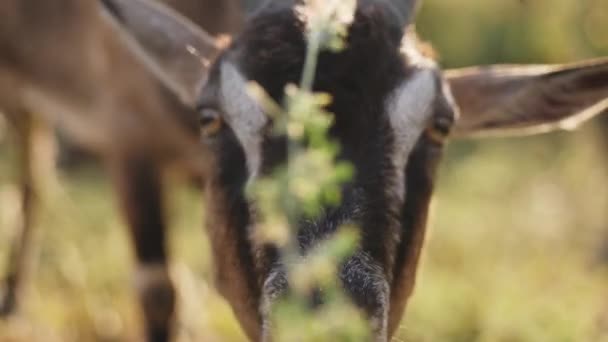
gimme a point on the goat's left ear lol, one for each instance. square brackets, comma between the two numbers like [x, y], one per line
[519, 100]
[170, 46]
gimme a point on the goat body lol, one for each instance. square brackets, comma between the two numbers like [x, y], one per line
[62, 61]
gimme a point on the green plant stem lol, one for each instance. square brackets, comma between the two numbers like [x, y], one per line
[291, 251]
[295, 146]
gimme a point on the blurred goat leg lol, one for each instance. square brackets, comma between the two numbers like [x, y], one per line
[21, 248]
[138, 183]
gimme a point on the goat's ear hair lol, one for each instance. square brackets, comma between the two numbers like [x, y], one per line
[251, 6]
[177, 51]
[520, 100]
[406, 9]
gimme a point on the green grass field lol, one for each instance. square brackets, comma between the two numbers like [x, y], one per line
[512, 254]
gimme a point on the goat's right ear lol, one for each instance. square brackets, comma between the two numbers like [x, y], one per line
[176, 50]
[519, 100]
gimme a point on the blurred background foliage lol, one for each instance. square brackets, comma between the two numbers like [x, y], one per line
[518, 241]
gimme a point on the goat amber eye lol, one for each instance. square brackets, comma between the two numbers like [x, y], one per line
[436, 135]
[440, 128]
[211, 122]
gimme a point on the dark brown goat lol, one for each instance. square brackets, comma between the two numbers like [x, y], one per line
[392, 112]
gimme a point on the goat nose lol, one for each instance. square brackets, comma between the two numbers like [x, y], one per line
[316, 298]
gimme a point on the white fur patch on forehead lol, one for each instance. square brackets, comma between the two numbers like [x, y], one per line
[409, 110]
[309, 12]
[243, 114]
[410, 49]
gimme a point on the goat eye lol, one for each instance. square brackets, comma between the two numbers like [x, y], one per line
[211, 122]
[440, 128]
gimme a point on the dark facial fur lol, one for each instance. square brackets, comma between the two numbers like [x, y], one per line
[271, 51]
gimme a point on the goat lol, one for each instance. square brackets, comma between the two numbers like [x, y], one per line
[218, 17]
[62, 61]
[393, 111]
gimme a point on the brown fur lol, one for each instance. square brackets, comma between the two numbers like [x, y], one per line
[235, 275]
[421, 177]
[61, 60]
[215, 16]
[19, 258]
[528, 99]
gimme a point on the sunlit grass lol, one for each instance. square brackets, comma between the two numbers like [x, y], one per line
[511, 256]
[513, 252]
[82, 290]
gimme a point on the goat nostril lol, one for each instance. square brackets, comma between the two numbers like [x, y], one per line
[316, 298]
